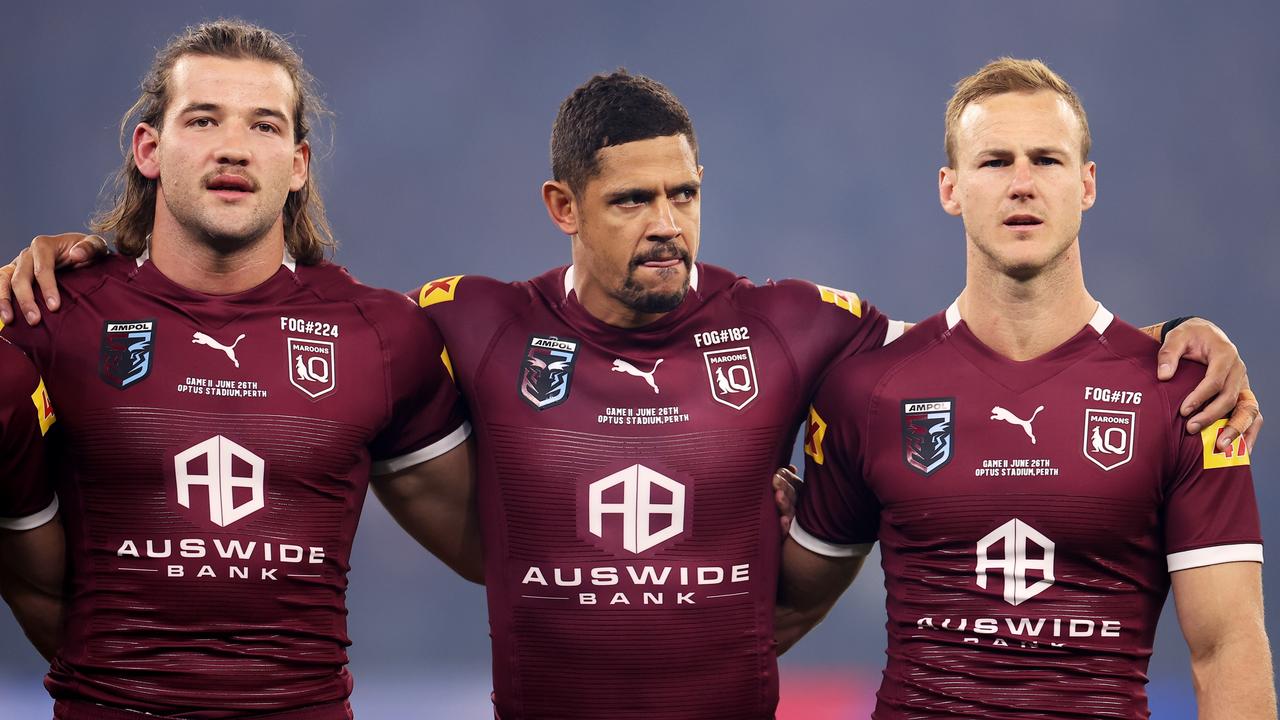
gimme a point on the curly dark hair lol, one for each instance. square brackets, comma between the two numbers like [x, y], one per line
[610, 110]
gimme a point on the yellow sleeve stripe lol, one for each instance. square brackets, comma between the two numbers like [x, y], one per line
[842, 299]
[815, 431]
[438, 291]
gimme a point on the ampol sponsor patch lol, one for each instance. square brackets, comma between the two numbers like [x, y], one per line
[127, 352]
[928, 434]
[1236, 454]
[547, 371]
[313, 366]
[732, 374]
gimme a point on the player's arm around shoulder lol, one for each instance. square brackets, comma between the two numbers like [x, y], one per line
[837, 517]
[1220, 612]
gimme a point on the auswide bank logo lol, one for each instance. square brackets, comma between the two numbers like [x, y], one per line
[642, 505]
[226, 473]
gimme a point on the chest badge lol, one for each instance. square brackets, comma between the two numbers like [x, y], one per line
[126, 353]
[732, 374]
[312, 366]
[928, 434]
[547, 370]
[1108, 437]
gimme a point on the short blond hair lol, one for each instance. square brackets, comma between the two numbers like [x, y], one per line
[1007, 75]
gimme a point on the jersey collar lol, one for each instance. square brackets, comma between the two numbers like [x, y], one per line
[568, 279]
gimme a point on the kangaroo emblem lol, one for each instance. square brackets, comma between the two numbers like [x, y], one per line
[999, 413]
[623, 366]
[202, 339]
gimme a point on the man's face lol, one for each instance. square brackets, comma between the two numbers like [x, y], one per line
[1020, 183]
[638, 221]
[225, 155]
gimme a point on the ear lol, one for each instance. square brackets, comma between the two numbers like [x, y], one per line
[561, 206]
[301, 166]
[947, 191]
[1089, 176]
[146, 150]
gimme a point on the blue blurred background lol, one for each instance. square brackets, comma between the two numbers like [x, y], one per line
[820, 126]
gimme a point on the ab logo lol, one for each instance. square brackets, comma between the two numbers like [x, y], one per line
[220, 467]
[649, 504]
[1015, 539]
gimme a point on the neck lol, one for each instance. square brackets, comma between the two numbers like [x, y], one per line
[1025, 318]
[196, 265]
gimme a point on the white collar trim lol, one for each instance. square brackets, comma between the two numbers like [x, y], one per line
[286, 261]
[1100, 321]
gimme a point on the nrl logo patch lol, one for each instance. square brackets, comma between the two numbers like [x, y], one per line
[928, 434]
[732, 374]
[312, 366]
[126, 355]
[547, 371]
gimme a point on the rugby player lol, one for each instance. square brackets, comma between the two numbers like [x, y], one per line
[31, 540]
[224, 394]
[1027, 476]
[629, 411]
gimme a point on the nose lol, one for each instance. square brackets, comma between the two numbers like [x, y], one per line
[1022, 185]
[233, 148]
[663, 226]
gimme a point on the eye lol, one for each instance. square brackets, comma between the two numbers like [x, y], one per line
[686, 195]
[201, 122]
[1047, 161]
[994, 163]
[629, 201]
[267, 128]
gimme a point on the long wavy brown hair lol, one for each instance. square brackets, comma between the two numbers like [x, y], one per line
[307, 235]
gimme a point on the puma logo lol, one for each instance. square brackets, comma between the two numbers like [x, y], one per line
[623, 366]
[202, 339]
[999, 413]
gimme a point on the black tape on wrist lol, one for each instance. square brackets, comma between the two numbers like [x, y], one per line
[1168, 327]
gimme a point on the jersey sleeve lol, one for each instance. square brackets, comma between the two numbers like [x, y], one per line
[428, 417]
[1211, 515]
[27, 499]
[837, 515]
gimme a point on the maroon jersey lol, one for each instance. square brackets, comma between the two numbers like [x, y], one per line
[217, 450]
[631, 539]
[26, 496]
[1029, 514]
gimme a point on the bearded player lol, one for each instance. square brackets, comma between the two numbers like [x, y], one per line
[223, 395]
[630, 410]
[31, 540]
[1028, 479]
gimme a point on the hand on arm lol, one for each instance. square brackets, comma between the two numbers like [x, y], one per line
[435, 502]
[1225, 388]
[808, 586]
[785, 482]
[1220, 611]
[35, 266]
[32, 565]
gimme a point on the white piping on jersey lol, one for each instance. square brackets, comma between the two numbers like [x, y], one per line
[287, 261]
[31, 522]
[1100, 321]
[896, 328]
[1215, 555]
[822, 547]
[421, 455]
[568, 279]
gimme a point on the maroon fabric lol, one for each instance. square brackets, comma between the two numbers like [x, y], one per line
[78, 710]
[626, 617]
[1024, 579]
[210, 494]
[24, 488]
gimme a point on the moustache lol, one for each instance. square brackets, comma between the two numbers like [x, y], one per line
[671, 252]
